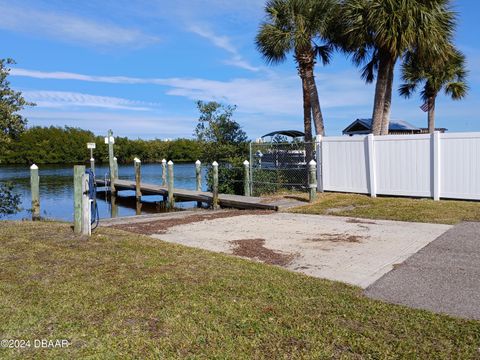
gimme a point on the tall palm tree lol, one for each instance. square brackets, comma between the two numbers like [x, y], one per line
[383, 30]
[449, 75]
[298, 26]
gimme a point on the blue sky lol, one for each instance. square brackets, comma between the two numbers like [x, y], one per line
[138, 66]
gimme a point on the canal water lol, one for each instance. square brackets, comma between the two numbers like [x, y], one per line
[56, 189]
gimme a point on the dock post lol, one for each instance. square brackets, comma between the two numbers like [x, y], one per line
[113, 206]
[215, 186]
[246, 178]
[78, 172]
[164, 172]
[115, 167]
[171, 199]
[111, 161]
[198, 176]
[138, 178]
[35, 189]
[312, 180]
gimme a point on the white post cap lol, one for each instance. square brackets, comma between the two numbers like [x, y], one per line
[198, 162]
[312, 162]
[34, 167]
[137, 160]
[92, 159]
[246, 163]
[164, 161]
[170, 162]
[215, 163]
[115, 158]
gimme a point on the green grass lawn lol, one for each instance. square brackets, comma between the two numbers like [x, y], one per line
[119, 295]
[403, 209]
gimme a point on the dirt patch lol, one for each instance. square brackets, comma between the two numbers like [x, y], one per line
[255, 249]
[161, 226]
[359, 221]
[339, 238]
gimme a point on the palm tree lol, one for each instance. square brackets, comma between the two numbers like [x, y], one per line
[449, 75]
[296, 26]
[383, 30]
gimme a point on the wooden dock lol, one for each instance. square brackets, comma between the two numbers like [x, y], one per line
[225, 200]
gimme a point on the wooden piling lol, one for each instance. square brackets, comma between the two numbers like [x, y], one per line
[111, 160]
[171, 199]
[198, 176]
[312, 167]
[35, 190]
[78, 172]
[246, 178]
[215, 186]
[164, 172]
[115, 168]
[138, 179]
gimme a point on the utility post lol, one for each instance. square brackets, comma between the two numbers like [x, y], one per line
[91, 146]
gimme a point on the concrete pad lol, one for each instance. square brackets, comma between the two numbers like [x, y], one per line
[355, 251]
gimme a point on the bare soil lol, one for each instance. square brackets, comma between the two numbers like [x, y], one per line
[161, 226]
[255, 249]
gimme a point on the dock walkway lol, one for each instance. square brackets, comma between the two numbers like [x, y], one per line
[225, 200]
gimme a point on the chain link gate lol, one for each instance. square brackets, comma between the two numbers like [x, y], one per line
[279, 166]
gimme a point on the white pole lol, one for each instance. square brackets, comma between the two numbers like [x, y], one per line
[318, 146]
[436, 165]
[371, 165]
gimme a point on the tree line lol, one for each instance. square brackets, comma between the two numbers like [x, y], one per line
[68, 145]
[376, 35]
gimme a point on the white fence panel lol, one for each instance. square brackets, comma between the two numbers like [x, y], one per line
[403, 165]
[460, 166]
[344, 164]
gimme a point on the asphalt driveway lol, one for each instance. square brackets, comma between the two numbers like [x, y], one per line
[443, 277]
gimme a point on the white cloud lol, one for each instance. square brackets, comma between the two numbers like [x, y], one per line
[268, 95]
[70, 28]
[225, 43]
[66, 99]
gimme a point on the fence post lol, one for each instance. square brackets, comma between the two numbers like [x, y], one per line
[215, 186]
[319, 160]
[78, 172]
[246, 178]
[35, 189]
[436, 175]
[171, 199]
[312, 180]
[251, 169]
[138, 179]
[111, 160]
[372, 181]
[86, 203]
[164, 172]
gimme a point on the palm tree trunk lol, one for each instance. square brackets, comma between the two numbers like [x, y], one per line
[388, 100]
[307, 116]
[315, 102]
[380, 91]
[431, 114]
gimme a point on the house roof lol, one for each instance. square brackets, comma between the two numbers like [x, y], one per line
[395, 125]
[290, 133]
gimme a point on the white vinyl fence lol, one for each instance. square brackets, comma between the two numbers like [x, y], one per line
[437, 166]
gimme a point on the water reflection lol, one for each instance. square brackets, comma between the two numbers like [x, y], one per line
[56, 190]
